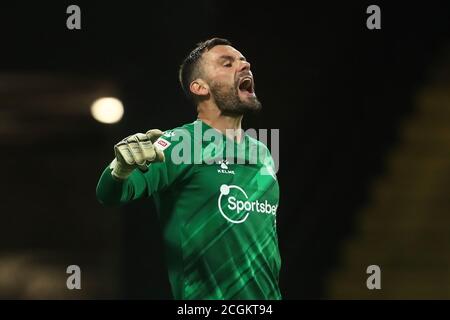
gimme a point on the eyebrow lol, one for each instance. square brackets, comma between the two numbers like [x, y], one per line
[231, 58]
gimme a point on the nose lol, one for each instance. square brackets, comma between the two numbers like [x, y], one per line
[245, 65]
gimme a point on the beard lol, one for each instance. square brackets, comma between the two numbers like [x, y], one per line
[230, 103]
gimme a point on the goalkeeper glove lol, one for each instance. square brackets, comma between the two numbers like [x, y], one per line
[136, 151]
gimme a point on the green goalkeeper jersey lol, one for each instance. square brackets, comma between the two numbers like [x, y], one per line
[217, 204]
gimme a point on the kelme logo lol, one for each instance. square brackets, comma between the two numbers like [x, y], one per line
[223, 165]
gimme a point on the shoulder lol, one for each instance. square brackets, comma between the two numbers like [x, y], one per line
[176, 135]
[259, 145]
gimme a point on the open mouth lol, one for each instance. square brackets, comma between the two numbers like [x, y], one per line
[246, 85]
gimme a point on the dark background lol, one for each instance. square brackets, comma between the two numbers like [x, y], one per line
[337, 91]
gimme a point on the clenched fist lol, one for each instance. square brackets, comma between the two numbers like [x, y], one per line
[136, 151]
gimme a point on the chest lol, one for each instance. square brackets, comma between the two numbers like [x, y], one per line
[248, 182]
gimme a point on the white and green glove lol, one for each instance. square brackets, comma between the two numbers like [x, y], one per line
[136, 151]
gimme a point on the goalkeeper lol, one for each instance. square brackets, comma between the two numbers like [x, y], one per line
[219, 214]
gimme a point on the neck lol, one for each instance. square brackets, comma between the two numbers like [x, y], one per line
[210, 114]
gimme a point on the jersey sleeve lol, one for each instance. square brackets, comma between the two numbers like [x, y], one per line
[159, 177]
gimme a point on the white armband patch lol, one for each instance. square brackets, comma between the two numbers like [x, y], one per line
[162, 144]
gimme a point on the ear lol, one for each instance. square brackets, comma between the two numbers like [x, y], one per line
[199, 87]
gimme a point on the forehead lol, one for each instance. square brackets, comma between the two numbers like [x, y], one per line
[219, 51]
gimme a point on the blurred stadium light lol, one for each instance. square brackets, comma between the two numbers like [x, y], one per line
[107, 110]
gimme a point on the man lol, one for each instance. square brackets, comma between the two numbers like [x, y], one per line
[217, 208]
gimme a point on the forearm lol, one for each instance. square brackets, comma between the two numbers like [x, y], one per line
[112, 191]
[128, 177]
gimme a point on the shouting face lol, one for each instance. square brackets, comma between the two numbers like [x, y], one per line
[230, 81]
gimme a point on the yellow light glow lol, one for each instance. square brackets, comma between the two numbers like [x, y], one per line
[107, 110]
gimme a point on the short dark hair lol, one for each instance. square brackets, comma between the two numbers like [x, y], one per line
[189, 69]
